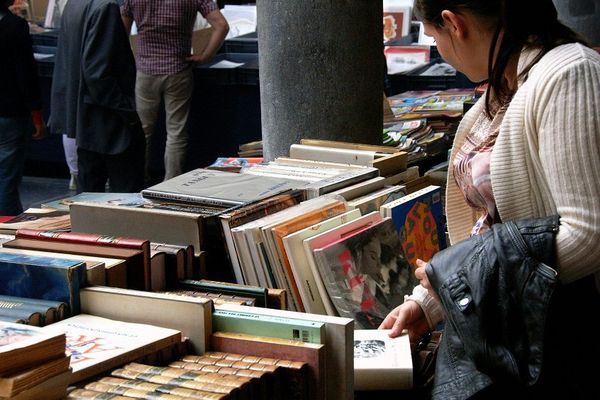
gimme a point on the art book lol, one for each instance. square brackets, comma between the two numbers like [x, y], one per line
[98, 344]
[366, 274]
[211, 187]
[22, 346]
[42, 277]
[380, 362]
[330, 236]
[419, 220]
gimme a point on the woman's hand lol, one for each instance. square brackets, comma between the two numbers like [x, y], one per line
[408, 315]
[421, 275]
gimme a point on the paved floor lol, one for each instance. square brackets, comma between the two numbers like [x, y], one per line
[36, 190]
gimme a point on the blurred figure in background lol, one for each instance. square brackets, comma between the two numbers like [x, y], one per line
[20, 105]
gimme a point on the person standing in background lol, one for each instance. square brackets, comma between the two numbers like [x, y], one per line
[20, 105]
[93, 97]
[164, 66]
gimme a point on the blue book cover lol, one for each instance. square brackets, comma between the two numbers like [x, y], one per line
[42, 278]
[420, 222]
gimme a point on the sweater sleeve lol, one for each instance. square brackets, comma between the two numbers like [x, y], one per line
[568, 120]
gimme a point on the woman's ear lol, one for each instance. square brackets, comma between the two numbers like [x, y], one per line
[455, 24]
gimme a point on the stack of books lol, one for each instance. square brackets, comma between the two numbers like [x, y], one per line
[33, 363]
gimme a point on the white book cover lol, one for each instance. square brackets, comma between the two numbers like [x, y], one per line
[381, 362]
[330, 236]
[98, 344]
[306, 280]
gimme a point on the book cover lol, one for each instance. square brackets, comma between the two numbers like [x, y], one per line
[332, 154]
[380, 362]
[327, 237]
[22, 346]
[373, 201]
[262, 346]
[419, 220]
[191, 316]
[366, 274]
[203, 186]
[42, 277]
[339, 334]
[252, 323]
[305, 279]
[98, 344]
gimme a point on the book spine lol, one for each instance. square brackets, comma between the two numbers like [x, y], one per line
[166, 383]
[270, 326]
[155, 194]
[228, 380]
[260, 294]
[57, 308]
[81, 238]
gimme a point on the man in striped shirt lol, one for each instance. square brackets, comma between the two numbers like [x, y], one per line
[164, 65]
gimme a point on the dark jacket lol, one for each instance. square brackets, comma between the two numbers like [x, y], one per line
[495, 289]
[93, 87]
[18, 70]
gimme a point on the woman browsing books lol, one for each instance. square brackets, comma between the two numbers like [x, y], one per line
[529, 149]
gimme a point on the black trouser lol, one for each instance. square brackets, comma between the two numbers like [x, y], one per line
[124, 171]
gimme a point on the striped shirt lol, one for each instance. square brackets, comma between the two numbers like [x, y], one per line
[164, 32]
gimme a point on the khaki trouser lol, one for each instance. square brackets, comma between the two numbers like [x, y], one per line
[176, 90]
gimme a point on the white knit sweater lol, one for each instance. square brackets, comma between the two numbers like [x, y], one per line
[546, 160]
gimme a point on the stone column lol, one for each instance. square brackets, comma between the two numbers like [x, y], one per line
[583, 16]
[321, 71]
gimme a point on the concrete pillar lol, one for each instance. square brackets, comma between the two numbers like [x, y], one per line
[321, 71]
[583, 16]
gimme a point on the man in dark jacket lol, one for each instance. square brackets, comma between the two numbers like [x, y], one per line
[20, 105]
[93, 97]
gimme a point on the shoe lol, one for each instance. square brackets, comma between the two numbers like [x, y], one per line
[73, 182]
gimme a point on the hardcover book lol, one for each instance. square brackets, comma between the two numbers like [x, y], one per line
[380, 362]
[42, 277]
[339, 334]
[175, 227]
[419, 220]
[262, 346]
[134, 259]
[366, 274]
[190, 315]
[98, 240]
[98, 344]
[22, 346]
[226, 189]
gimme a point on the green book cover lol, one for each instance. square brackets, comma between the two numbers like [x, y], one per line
[269, 325]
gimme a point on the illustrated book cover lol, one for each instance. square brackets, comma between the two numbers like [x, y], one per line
[98, 344]
[380, 362]
[419, 220]
[366, 274]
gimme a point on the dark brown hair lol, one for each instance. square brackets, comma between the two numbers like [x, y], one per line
[531, 23]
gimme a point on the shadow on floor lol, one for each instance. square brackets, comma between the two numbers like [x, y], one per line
[37, 190]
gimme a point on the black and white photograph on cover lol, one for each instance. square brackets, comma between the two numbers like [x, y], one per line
[366, 274]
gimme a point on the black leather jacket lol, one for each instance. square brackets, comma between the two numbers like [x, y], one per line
[495, 289]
